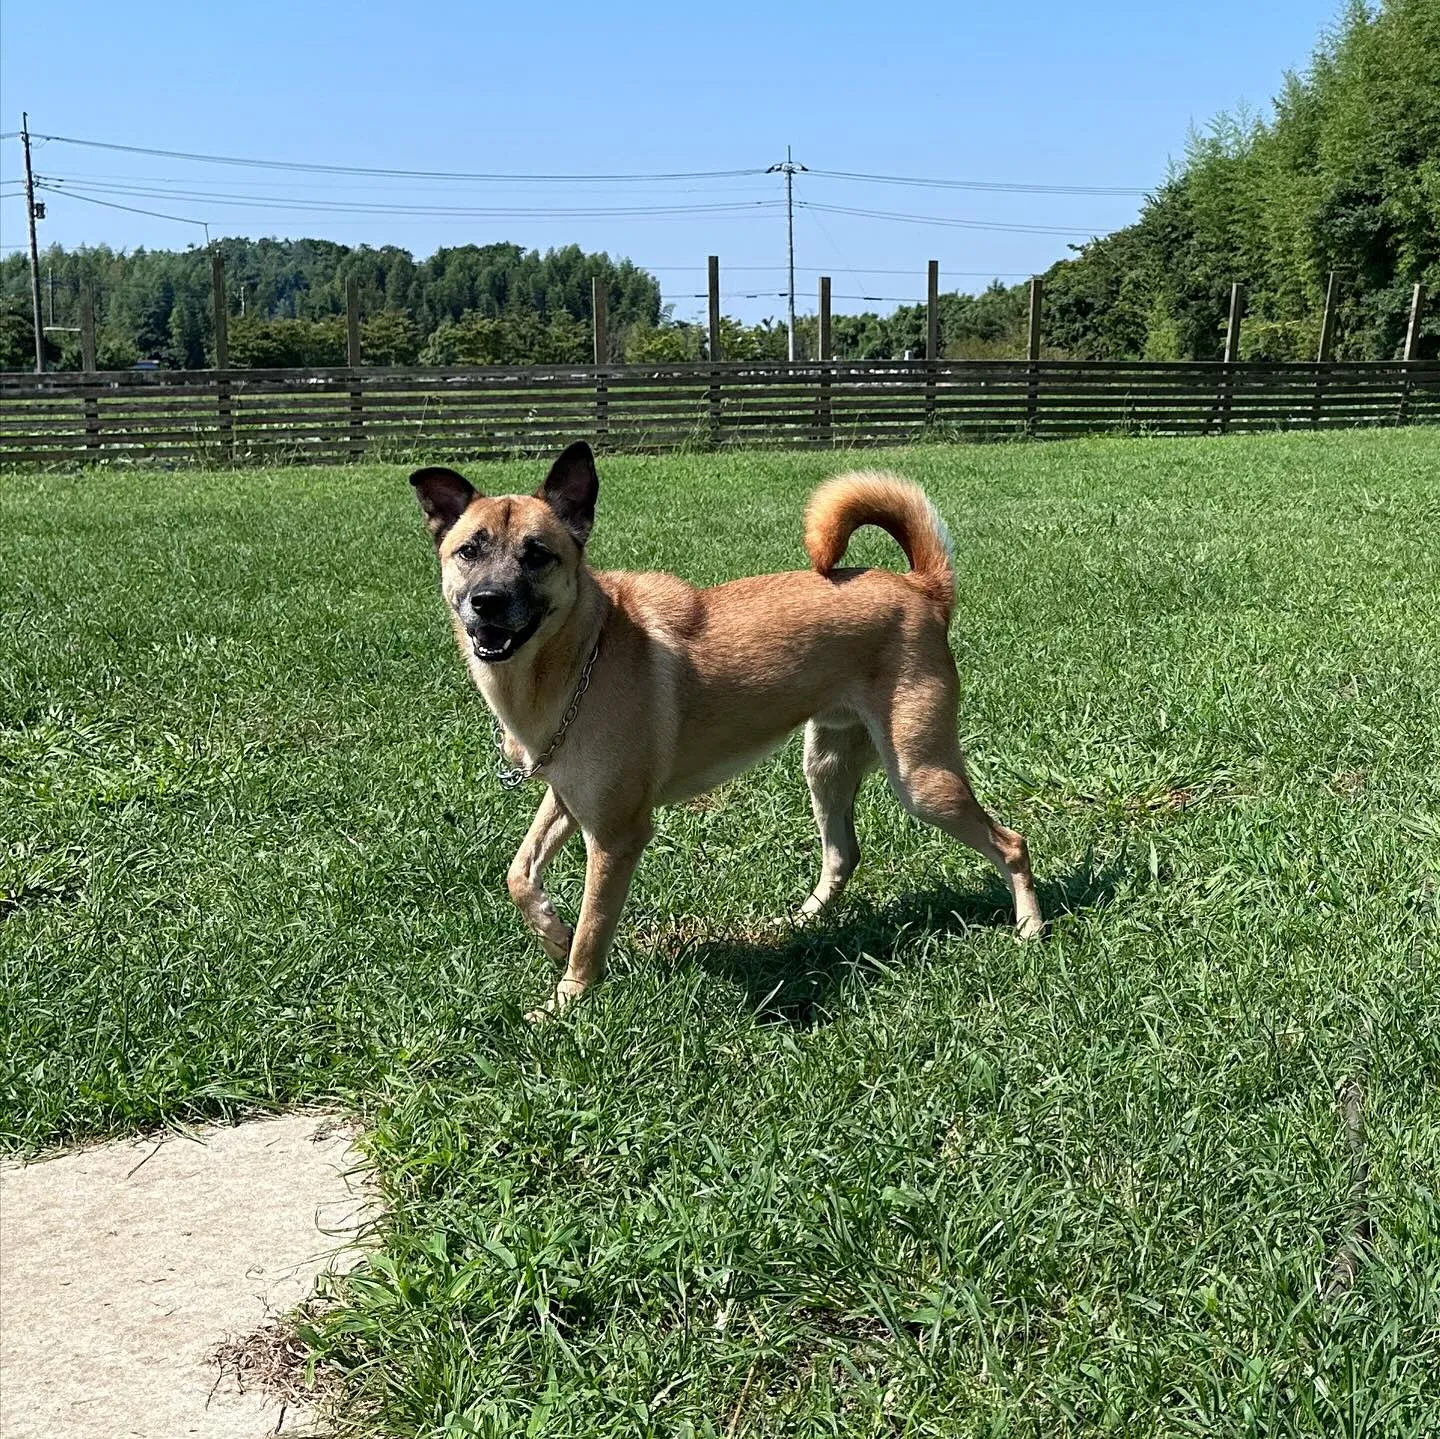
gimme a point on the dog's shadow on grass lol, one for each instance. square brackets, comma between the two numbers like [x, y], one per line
[793, 977]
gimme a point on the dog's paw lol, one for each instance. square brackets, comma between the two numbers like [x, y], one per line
[803, 917]
[566, 993]
[1032, 927]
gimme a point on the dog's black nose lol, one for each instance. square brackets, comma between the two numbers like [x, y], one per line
[488, 605]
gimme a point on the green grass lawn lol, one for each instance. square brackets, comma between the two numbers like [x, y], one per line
[898, 1175]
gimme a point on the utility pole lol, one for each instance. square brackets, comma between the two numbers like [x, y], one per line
[34, 250]
[788, 169]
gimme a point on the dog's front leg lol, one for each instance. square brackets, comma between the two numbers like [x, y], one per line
[609, 865]
[552, 826]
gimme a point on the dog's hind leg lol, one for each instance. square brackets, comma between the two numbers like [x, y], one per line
[836, 760]
[922, 759]
[552, 826]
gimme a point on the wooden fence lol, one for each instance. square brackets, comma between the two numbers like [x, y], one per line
[481, 413]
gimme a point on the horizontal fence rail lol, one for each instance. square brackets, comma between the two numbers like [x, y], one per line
[493, 413]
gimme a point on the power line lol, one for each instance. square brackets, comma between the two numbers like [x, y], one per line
[953, 223]
[382, 214]
[1014, 187]
[133, 209]
[61, 186]
[310, 184]
[384, 173]
[108, 191]
[1018, 187]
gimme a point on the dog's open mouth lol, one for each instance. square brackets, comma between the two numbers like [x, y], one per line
[494, 643]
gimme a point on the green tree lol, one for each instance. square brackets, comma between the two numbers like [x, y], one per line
[17, 338]
[189, 334]
[1344, 177]
[767, 340]
[664, 344]
[389, 338]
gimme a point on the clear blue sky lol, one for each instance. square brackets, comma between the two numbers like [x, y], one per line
[1058, 94]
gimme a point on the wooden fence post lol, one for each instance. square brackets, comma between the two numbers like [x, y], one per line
[1322, 350]
[220, 306]
[1327, 320]
[822, 354]
[1412, 348]
[352, 322]
[88, 364]
[352, 362]
[221, 310]
[932, 311]
[1232, 352]
[1032, 357]
[1412, 332]
[715, 356]
[87, 331]
[932, 335]
[598, 314]
[1237, 317]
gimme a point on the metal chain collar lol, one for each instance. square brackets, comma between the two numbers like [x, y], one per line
[512, 776]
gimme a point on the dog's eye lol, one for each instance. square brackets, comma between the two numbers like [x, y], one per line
[473, 548]
[536, 556]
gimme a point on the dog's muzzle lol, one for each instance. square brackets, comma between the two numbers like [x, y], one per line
[498, 621]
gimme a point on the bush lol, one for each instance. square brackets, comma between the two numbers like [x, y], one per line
[663, 344]
[17, 340]
[285, 344]
[389, 338]
[516, 339]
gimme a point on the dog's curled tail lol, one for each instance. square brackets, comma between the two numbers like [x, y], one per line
[867, 497]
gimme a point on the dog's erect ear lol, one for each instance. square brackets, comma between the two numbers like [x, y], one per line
[443, 495]
[570, 489]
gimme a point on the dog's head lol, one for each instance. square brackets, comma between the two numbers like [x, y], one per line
[510, 566]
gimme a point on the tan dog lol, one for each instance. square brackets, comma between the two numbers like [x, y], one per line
[626, 691]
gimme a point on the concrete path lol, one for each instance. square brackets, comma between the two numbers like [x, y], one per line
[122, 1267]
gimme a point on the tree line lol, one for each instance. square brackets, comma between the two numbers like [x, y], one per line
[1344, 178]
[286, 302]
[467, 305]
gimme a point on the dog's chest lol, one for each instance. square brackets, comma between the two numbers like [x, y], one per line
[703, 775]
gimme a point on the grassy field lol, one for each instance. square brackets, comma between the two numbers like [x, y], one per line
[898, 1175]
